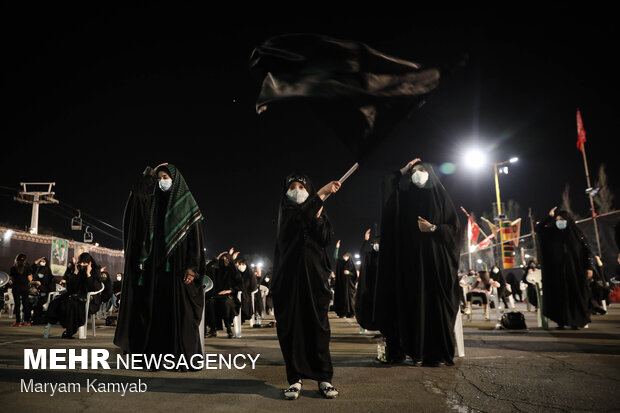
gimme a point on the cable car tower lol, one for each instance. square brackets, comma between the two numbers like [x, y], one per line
[36, 198]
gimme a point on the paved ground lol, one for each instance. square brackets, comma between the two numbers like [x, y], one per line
[533, 371]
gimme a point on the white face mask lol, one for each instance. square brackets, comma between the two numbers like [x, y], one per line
[297, 195]
[495, 270]
[242, 268]
[42, 263]
[165, 184]
[419, 178]
[375, 247]
[346, 258]
[560, 224]
[118, 278]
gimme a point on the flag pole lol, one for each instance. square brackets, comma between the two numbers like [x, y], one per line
[585, 164]
[468, 240]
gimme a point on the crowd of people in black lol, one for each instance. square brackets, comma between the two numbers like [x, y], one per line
[406, 284]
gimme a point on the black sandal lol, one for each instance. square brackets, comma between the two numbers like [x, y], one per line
[294, 392]
[329, 392]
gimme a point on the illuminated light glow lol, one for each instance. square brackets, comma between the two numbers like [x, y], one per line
[475, 159]
[472, 248]
[357, 255]
[8, 234]
[447, 168]
[514, 159]
[479, 261]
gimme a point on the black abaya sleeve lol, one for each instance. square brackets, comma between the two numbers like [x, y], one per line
[190, 254]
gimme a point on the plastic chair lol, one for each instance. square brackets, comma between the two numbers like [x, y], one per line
[535, 277]
[264, 292]
[511, 299]
[254, 319]
[10, 303]
[83, 330]
[458, 333]
[237, 320]
[490, 298]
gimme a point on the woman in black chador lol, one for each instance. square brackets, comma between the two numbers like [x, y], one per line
[69, 308]
[162, 304]
[249, 285]
[366, 285]
[566, 263]
[417, 286]
[299, 286]
[344, 290]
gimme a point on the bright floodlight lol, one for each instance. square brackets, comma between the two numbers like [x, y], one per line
[357, 255]
[8, 234]
[475, 158]
[479, 261]
[259, 265]
[514, 159]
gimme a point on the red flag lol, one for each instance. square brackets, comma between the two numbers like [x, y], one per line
[486, 242]
[581, 133]
[473, 230]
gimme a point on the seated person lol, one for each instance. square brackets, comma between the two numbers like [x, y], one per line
[502, 291]
[531, 288]
[599, 287]
[106, 295]
[221, 302]
[481, 287]
[68, 308]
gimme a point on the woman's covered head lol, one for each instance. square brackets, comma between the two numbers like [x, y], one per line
[298, 188]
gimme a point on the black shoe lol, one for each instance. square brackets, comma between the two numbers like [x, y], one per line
[212, 333]
[433, 363]
[229, 332]
[65, 335]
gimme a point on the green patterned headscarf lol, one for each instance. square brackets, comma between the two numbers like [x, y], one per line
[182, 213]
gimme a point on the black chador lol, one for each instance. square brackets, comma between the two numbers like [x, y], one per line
[344, 290]
[300, 286]
[417, 286]
[249, 285]
[565, 258]
[162, 304]
[366, 285]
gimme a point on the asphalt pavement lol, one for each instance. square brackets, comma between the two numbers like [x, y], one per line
[535, 370]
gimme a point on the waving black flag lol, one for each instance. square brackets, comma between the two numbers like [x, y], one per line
[360, 92]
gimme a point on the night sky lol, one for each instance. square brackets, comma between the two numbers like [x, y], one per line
[93, 96]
